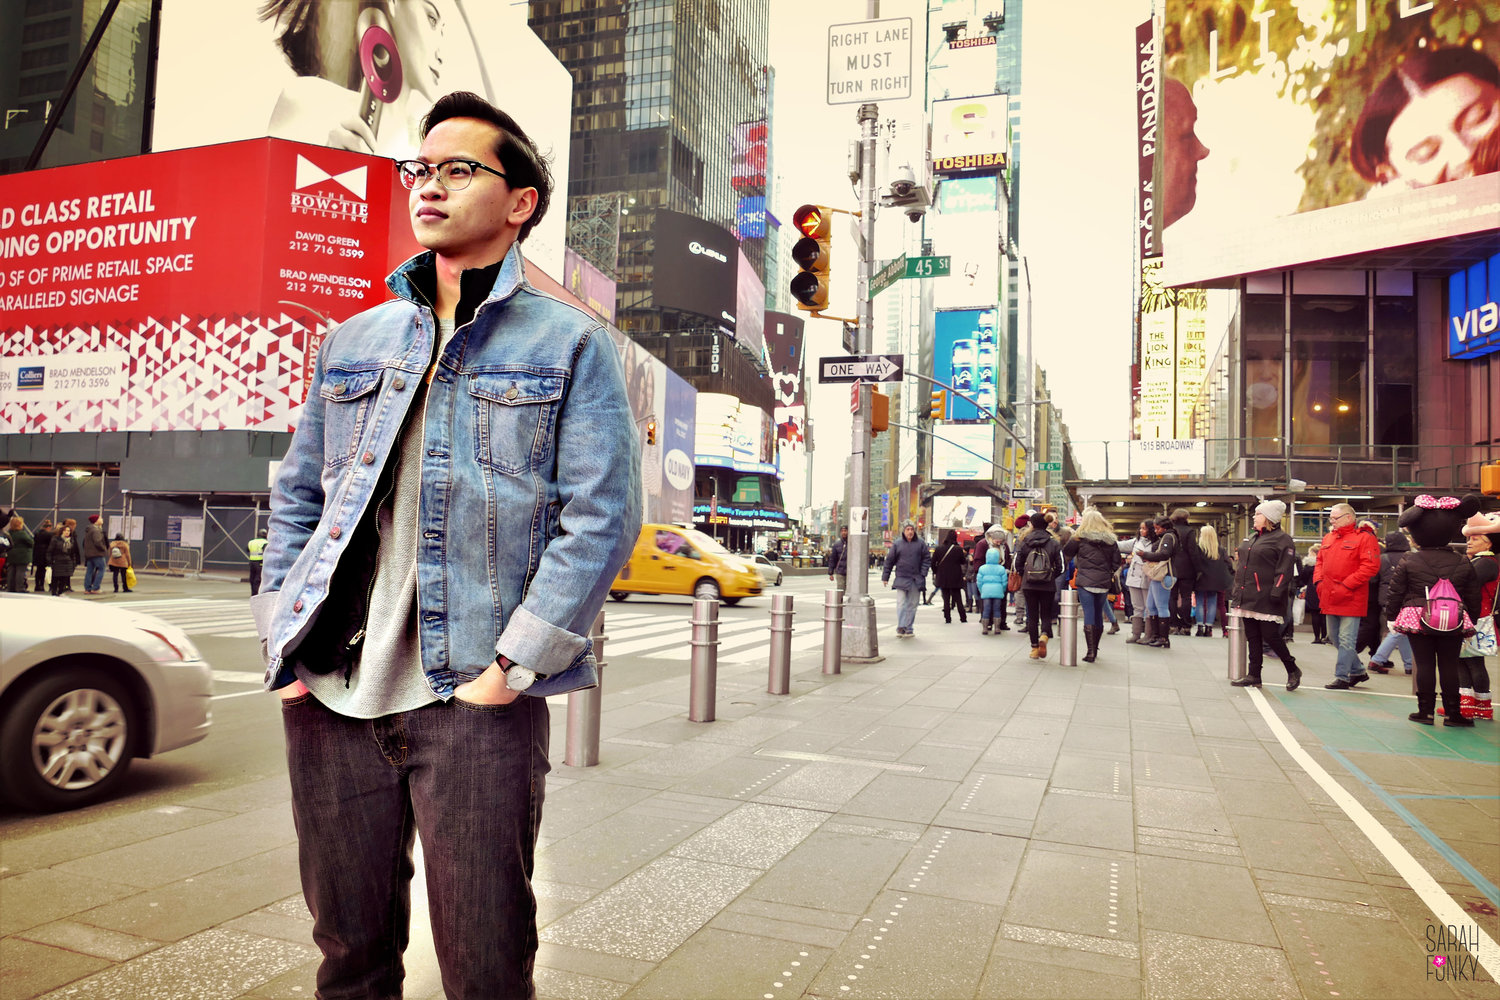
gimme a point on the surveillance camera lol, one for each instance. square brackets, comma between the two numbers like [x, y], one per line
[904, 183]
[915, 212]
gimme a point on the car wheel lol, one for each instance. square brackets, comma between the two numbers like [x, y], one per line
[618, 595]
[731, 601]
[68, 740]
[706, 588]
[778, 579]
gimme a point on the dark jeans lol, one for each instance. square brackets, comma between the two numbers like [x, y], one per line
[468, 778]
[1472, 673]
[256, 566]
[41, 576]
[1319, 624]
[16, 577]
[1038, 614]
[117, 577]
[953, 596]
[1182, 603]
[1436, 659]
[93, 573]
[1261, 634]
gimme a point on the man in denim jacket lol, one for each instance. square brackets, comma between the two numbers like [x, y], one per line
[462, 487]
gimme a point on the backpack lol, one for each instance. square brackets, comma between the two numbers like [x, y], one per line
[1443, 610]
[1039, 568]
[115, 552]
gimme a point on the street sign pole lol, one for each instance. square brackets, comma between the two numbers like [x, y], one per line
[859, 641]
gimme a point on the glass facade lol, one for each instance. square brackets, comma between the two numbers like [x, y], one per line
[40, 43]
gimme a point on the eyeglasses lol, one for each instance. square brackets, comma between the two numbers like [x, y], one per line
[454, 175]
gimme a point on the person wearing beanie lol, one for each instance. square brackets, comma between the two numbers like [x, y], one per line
[95, 553]
[1347, 562]
[1266, 574]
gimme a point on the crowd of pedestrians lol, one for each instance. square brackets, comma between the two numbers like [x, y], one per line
[45, 560]
[1172, 578]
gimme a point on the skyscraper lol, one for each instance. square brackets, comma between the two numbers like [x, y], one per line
[670, 102]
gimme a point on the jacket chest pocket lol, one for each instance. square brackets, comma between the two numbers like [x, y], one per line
[513, 423]
[348, 398]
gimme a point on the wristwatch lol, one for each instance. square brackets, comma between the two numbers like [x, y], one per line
[519, 678]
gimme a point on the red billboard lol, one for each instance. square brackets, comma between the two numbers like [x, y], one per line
[186, 289]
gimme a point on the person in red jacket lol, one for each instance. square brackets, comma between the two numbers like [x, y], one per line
[1347, 562]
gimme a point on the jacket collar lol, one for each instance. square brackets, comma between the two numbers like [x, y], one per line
[416, 282]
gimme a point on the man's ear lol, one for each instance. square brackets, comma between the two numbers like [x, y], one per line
[525, 205]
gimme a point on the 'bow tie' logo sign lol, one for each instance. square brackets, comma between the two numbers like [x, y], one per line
[329, 199]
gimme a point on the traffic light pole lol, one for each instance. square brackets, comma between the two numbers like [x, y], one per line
[859, 640]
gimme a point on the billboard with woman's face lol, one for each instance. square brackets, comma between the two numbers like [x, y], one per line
[1295, 131]
[358, 75]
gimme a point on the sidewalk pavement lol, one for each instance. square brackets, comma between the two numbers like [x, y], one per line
[956, 820]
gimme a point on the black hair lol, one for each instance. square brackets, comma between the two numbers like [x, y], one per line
[524, 166]
[1420, 70]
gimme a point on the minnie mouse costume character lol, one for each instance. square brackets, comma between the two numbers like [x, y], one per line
[1433, 522]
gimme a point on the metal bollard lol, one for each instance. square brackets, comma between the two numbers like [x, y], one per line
[1067, 627]
[833, 631]
[1239, 650]
[703, 680]
[779, 679]
[583, 709]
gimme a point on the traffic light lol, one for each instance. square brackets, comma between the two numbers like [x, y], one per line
[810, 286]
[939, 403]
[651, 430]
[880, 411]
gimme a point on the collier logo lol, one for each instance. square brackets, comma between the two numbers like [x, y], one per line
[698, 248]
[330, 204]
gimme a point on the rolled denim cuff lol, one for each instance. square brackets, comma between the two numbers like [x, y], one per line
[538, 644]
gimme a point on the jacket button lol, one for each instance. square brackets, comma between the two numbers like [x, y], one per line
[297, 605]
[368, 458]
[511, 393]
[335, 531]
[398, 384]
[338, 389]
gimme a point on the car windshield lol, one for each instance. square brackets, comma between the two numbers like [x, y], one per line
[706, 542]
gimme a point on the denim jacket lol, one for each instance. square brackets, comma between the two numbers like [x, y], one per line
[530, 496]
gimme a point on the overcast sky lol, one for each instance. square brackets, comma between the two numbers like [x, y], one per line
[1077, 206]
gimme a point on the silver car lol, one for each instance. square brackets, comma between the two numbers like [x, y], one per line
[770, 573]
[84, 688]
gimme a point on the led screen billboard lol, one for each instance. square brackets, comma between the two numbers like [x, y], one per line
[135, 296]
[750, 310]
[970, 135]
[750, 143]
[733, 434]
[589, 285]
[358, 76]
[1294, 131]
[967, 239]
[695, 268]
[964, 356]
[957, 451]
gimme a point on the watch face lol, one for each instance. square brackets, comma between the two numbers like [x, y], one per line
[519, 678]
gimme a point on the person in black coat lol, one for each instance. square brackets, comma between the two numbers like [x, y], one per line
[1095, 553]
[1214, 578]
[1310, 606]
[950, 573]
[1433, 522]
[1186, 562]
[1267, 574]
[62, 555]
[40, 556]
[1038, 589]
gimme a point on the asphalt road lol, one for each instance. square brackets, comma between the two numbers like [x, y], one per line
[245, 744]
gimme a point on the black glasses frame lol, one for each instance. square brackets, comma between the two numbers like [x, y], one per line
[411, 183]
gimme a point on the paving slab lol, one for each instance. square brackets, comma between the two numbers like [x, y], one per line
[1076, 894]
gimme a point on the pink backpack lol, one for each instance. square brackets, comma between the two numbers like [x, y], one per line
[1444, 611]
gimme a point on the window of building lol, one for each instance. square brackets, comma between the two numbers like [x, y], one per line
[1395, 373]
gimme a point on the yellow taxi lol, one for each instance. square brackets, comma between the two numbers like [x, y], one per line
[670, 559]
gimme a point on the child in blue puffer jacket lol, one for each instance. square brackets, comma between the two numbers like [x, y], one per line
[992, 579]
